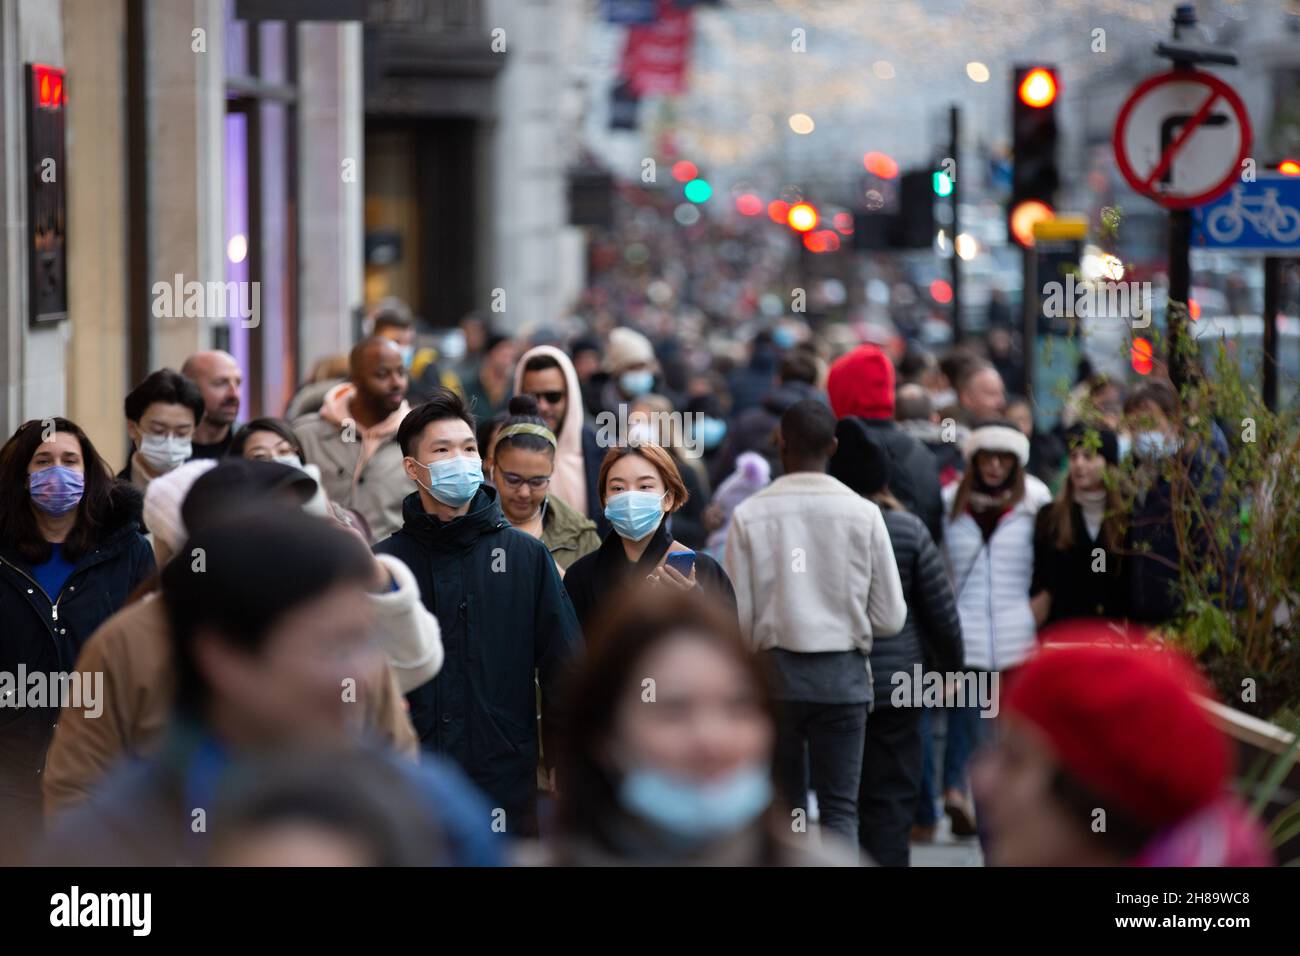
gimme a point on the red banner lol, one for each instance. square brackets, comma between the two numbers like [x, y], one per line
[656, 55]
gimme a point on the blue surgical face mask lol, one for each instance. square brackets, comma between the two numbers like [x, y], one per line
[712, 431]
[696, 811]
[1154, 445]
[783, 338]
[454, 481]
[408, 354]
[1125, 444]
[636, 383]
[635, 514]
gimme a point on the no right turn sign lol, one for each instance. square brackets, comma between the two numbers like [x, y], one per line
[1181, 138]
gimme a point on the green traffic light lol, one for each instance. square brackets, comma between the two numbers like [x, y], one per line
[698, 190]
[942, 184]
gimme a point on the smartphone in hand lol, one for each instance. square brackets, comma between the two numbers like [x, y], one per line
[682, 562]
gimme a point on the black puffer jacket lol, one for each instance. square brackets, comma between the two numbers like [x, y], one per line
[503, 614]
[43, 633]
[932, 634]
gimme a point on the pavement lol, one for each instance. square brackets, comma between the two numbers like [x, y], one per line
[947, 850]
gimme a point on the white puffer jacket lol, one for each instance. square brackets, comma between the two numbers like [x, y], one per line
[992, 581]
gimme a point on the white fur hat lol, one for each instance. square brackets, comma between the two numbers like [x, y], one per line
[998, 436]
[162, 506]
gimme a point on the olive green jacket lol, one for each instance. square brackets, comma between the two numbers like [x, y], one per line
[566, 533]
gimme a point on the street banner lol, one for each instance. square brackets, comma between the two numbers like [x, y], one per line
[655, 56]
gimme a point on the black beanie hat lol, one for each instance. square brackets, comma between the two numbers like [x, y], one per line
[1109, 450]
[862, 461]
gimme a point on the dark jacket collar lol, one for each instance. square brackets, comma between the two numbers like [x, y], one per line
[612, 564]
[484, 515]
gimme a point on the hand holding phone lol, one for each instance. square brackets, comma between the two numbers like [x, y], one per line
[679, 569]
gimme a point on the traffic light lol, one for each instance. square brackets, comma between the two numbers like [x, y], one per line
[1034, 175]
[914, 227]
[802, 217]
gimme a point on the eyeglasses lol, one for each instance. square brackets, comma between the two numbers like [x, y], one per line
[513, 481]
[550, 398]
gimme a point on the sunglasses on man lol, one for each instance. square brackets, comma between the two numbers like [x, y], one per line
[550, 398]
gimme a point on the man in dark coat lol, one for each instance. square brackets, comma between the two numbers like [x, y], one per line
[503, 612]
[861, 385]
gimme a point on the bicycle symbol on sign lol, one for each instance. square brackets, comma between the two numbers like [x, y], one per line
[1265, 214]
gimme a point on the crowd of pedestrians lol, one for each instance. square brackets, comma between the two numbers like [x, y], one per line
[619, 597]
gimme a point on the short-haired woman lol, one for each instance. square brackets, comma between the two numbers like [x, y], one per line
[639, 486]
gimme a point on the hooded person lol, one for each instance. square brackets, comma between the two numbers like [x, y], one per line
[548, 375]
[861, 385]
[353, 438]
[1096, 721]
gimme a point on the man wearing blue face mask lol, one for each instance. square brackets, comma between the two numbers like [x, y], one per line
[501, 608]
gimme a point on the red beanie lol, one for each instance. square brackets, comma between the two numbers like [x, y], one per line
[861, 383]
[1124, 722]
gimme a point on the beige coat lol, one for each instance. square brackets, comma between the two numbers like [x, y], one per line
[361, 468]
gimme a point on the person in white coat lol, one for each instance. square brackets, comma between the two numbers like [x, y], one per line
[816, 583]
[988, 540]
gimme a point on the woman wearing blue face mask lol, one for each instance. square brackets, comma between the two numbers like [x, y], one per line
[71, 553]
[640, 487]
[1158, 450]
[687, 780]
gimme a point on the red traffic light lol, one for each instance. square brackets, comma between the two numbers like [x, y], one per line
[880, 164]
[823, 240]
[1142, 356]
[1289, 167]
[1038, 88]
[777, 210]
[747, 204]
[684, 171]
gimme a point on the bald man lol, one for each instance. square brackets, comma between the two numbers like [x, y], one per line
[218, 377]
[353, 438]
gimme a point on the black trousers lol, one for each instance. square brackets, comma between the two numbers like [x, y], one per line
[891, 781]
[833, 734]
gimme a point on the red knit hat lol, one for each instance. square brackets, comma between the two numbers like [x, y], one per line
[1124, 722]
[861, 383]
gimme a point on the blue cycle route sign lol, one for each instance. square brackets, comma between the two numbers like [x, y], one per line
[1258, 218]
